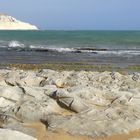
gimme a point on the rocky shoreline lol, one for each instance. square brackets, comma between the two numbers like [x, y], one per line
[95, 104]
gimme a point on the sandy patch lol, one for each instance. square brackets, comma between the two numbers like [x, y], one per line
[43, 134]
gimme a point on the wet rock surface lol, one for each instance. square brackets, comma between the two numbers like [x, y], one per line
[85, 103]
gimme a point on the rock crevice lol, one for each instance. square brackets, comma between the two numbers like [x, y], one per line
[87, 103]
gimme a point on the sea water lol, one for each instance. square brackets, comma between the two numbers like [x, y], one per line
[99, 47]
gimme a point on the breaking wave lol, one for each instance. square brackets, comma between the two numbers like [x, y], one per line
[51, 49]
[18, 46]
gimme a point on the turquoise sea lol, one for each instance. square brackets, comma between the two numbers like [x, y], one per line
[103, 47]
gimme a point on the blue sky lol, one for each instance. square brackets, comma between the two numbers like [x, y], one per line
[76, 14]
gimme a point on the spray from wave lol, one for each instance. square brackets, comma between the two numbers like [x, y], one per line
[16, 44]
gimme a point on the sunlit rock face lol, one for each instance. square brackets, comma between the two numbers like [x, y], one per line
[9, 23]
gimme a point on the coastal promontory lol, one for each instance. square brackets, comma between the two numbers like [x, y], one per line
[10, 23]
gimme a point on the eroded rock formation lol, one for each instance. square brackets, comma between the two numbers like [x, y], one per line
[88, 103]
[9, 23]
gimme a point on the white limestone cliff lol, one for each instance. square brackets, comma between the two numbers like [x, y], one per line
[9, 23]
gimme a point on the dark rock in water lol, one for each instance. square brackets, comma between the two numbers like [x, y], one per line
[77, 51]
[39, 50]
[92, 49]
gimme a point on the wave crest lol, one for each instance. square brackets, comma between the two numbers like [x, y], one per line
[16, 44]
[52, 48]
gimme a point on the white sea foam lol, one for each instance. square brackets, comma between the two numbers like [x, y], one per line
[52, 48]
[62, 49]
[36, 47]
[16, 44]
[119, 52]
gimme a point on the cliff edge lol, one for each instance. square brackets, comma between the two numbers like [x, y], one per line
[10, 23]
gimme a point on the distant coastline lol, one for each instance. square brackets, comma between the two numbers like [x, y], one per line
[10, 23]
